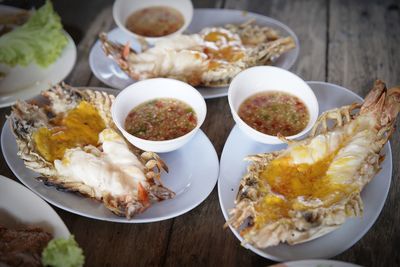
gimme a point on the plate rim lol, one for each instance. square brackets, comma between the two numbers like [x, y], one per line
[263, 254]
[224, 90]
[116, 219]
[26, 190]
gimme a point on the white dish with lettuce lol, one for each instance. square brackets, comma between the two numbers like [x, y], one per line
[33, 54]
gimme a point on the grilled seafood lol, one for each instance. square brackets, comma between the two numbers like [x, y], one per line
[210, 58]
[73, 143]
[309, 189]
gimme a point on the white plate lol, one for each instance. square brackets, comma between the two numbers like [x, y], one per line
[19, 207]
[191, 177]
[107, 71]
[232, 169]
[27, 82]
[316, 263]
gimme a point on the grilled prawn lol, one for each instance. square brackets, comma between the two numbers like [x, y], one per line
[309, 189]
[73, 144]
[210, 58]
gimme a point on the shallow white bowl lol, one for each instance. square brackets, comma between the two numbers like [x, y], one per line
[267, 78]
[146, 90]
[123, 8]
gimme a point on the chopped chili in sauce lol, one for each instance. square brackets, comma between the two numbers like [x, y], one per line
[275, 112]
[155, 21]
[161, 119]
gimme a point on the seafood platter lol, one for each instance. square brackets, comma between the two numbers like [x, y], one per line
[338, 225]
[297, 171]
[218, 44]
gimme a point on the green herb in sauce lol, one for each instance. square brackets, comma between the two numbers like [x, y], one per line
[274, 112]
[161, 119]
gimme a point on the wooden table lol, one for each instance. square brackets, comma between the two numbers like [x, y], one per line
[350, 43]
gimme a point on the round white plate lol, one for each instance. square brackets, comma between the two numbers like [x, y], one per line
[28, 81]
[191, 177]
[315, 263]
[19, 208]
[107, 71]
[233, 167]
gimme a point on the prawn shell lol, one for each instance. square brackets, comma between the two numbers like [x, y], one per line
[375, 120]
[27, 117]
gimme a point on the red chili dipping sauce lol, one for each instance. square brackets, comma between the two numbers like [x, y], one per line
[161, 119]
[275, 112]
[155, 21]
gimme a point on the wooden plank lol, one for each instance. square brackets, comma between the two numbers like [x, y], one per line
[363, 46]
[77, 25]
[308, 19]
[118, 244]
[197, 238]
[362, 43]
[81, 74]
[208, 3]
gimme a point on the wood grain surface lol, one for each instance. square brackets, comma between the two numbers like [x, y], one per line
[362, 47]
[350, 43]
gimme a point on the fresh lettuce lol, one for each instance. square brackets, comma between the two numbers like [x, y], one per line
[41, 39]
[62, 252]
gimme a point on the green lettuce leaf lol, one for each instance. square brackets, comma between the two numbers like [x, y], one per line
[62, 252]
[41, 39]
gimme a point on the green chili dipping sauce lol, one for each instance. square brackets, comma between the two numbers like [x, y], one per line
[275, 112]
[161, 119]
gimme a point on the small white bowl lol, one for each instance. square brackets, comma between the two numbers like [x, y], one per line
[146, 90]
[123, 8]
[267, 78]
